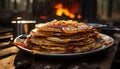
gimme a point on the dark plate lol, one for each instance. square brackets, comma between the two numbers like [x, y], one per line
[107, 38]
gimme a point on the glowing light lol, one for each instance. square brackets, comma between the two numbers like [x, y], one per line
[43, 17]
[60, 10]
[79, 16]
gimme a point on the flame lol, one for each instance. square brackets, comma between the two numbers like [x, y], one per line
[61, 10]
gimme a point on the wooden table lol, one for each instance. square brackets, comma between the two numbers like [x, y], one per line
[22, 60]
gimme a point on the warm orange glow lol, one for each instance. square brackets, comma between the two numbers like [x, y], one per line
[60, 10]
[75, 7]
[79, 16]
[43, 17]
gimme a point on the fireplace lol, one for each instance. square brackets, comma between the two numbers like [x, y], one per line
[79, 10]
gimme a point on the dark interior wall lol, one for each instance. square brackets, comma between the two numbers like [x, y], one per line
[2, 4]
[89, 8]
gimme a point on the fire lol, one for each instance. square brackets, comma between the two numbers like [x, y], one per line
[60, 10]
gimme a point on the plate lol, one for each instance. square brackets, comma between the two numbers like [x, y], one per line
[108, 39]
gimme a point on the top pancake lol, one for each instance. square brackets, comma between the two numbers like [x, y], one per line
[61, 28]
[68, 26]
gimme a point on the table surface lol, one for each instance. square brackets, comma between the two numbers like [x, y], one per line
[19, 59]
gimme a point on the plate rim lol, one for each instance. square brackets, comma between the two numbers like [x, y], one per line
[69, 54]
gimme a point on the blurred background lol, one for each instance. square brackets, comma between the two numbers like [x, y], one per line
[22, 15]
[100, 11]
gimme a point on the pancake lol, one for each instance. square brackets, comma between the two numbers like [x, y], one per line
[44, 41]
[68, 26]
[57, 26]
[36, 32]
[64, 36]
[87, 47]
[68, 49]
[68, 39]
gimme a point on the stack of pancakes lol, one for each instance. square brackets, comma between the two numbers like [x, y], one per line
[63, 36]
